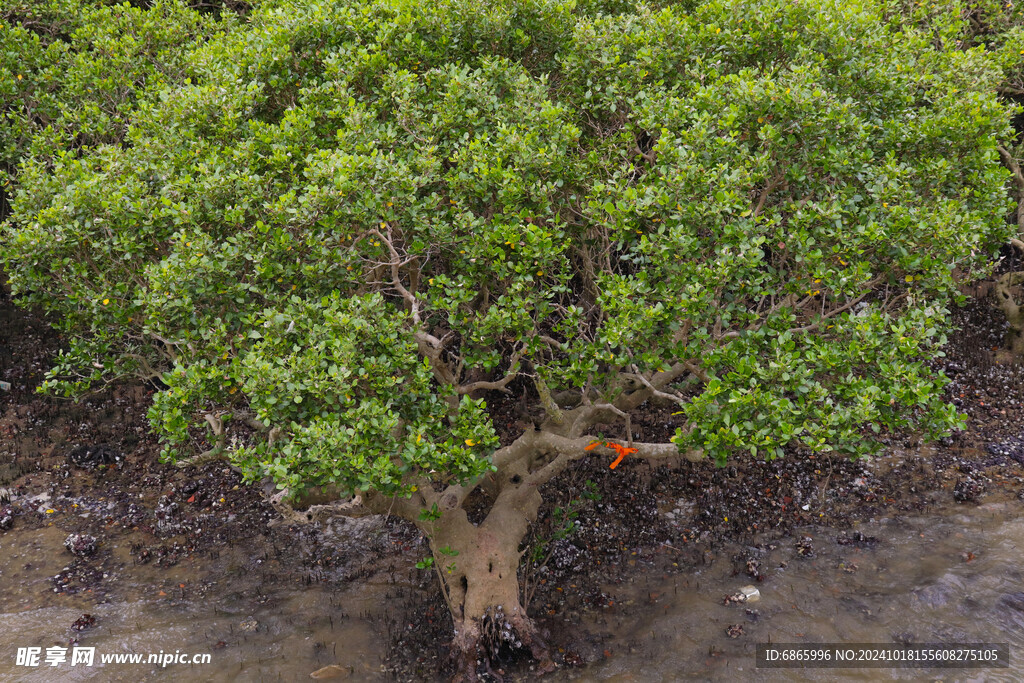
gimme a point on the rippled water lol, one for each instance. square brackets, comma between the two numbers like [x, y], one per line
[942, 577]
[955, 578]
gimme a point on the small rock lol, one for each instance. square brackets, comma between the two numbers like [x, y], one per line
[750, 594]
[805, 547]
[331, 671]
[745, 594]
[967, 490]
[249, 625]
[856, 538]
[93, 456]
[754, 569]
[82, 545]
[734, 631]
[83, 622]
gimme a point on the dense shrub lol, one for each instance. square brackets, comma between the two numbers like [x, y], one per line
[355, 220]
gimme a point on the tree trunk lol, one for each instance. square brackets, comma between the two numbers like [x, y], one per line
[478, 567]
[1007, 302]
[1014, 342]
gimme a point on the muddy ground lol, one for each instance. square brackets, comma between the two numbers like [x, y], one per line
[91, 469]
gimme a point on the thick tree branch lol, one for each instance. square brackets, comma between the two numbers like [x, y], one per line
[520, 449]
[432, 348]
[628, 402]
[655, 392]
[550, 406]
[568, 450]
[499, 385]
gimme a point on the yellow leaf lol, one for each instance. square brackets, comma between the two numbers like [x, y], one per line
[106, 301]
[760, 119]
[909, 278]
[419, 437]
[470, 442]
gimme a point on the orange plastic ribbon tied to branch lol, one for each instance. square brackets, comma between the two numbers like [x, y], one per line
[623, 451]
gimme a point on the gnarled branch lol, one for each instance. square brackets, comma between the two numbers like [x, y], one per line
[316, 513]
[569, 450]
[217, 425]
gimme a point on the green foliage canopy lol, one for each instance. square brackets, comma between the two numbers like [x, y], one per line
[352, 210]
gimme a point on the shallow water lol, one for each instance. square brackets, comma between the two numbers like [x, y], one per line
[919, 583]
[254, 622]
[941, 577]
